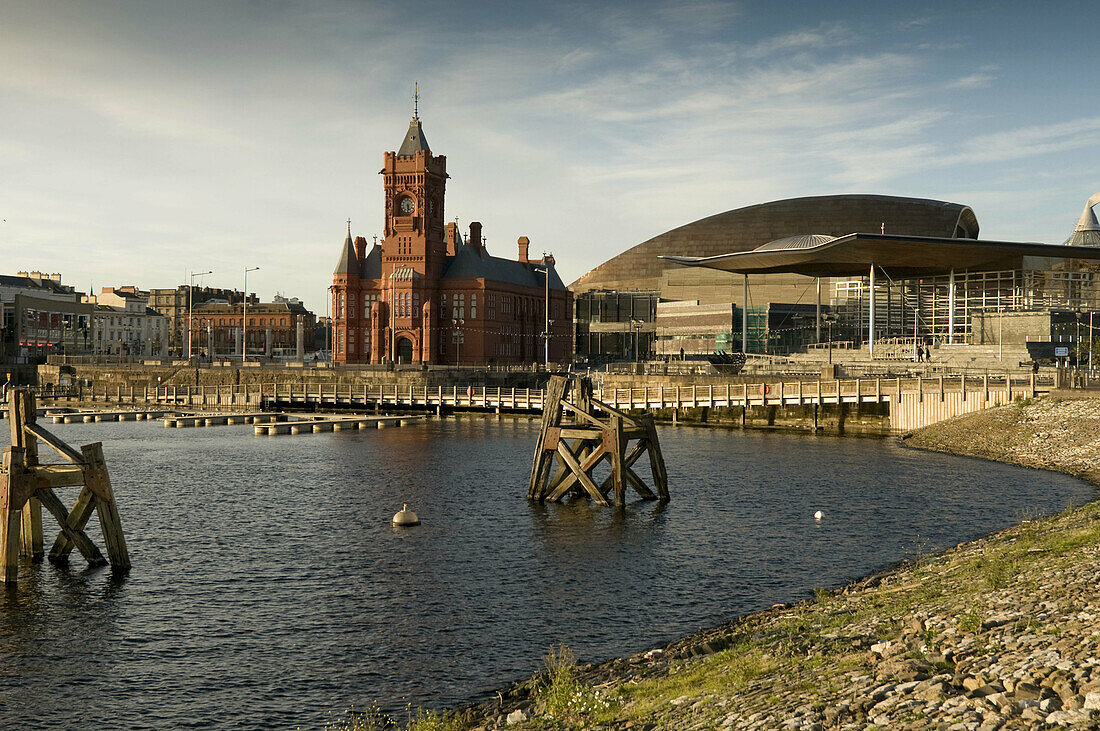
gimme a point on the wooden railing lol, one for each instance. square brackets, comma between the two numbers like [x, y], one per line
[770, 393]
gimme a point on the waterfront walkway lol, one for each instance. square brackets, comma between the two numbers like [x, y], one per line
[915, 402]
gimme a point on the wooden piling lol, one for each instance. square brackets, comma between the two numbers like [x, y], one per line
[26, 486]
[578, 434]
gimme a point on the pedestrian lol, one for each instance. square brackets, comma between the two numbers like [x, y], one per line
[920, 354]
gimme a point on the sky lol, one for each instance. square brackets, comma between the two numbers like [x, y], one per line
[143, 140]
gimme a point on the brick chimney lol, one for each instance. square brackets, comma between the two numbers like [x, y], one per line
[360, 248]
[451, 238]
[475, 236]
[524, 244]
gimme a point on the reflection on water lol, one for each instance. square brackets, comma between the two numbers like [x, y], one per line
[269, 589]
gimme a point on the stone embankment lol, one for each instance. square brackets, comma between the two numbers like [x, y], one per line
[1000, 633]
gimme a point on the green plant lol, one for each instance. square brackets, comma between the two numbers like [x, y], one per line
[561, 695]
[371, 719]
[971, 621]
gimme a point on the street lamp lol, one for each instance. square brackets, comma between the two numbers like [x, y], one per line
[458, 340]
[190, 301]
[829, 320]
[546, 330]
[244, 316]
[636, 326]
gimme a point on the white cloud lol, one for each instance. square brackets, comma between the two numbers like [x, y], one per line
[972, 81]
[161, 137]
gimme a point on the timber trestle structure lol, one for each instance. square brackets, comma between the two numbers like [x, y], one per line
[578, 433]
[26, 486]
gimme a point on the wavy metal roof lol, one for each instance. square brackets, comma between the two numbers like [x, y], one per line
[802, 241]
[745, 229]
[901, 256]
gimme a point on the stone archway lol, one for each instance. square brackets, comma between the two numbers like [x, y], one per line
[404, 350]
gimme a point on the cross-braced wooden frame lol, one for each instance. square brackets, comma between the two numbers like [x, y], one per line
[26, 486]
[578, 435]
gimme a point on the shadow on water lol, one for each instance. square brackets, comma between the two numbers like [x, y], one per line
[270, 590]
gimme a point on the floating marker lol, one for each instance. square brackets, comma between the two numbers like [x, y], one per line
[819, 515]
[405, 518]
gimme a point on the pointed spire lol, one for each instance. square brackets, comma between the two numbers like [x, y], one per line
[414, 141]
[349, 262]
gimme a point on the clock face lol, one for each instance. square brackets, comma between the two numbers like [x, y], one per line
[407, 206]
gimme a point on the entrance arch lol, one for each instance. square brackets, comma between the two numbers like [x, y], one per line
[404, 350]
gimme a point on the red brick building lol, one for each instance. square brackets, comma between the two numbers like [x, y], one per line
[425, 295]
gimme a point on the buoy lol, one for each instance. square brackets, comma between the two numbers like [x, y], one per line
[817, 516]
[405, 517]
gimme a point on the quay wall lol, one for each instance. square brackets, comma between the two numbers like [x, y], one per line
[146, 376]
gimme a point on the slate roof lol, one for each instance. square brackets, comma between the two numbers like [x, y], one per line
[46, 285]
[372, 264]
[347, 256]
[414, 140]
[469, 263]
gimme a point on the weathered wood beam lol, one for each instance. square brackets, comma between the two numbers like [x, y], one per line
[57, 475]
[31, 531]
[641, 487]
[656, 459]
[98, 481]
[11, 475]
[72, 526]
[53, 442]
[584, 415]
[582, 476]
[551, 416]
[585, 466]
[616, 449]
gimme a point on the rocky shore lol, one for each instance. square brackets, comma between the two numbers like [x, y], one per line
[999, 633]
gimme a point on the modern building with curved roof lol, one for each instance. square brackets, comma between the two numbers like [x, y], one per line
[618, 303]
[744, 229]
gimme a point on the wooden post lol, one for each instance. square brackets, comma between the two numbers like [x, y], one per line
[98, 481]
[23, 410]
[11, 489]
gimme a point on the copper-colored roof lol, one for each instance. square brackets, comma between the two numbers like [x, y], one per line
[744, 229]
[900, 256]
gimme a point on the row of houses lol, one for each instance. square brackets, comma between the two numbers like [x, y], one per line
[40, 316]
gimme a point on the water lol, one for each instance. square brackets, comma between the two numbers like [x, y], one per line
[269, 590]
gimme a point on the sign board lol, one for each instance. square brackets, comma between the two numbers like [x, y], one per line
[1061, 352]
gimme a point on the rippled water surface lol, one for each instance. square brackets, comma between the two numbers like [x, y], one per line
[269, 590]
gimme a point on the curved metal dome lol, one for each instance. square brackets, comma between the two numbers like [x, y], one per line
[745, 229]
[802, 241]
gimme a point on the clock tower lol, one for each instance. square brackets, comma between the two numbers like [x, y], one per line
[414, 247]
[414, 182]
[426, 294]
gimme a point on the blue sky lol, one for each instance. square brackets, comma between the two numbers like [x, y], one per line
[143, 140]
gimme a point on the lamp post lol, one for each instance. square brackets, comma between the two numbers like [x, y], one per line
[244, 316]
[829, 319]
[636, 326]
[546, 327]
[458, 340]
[190, 301]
